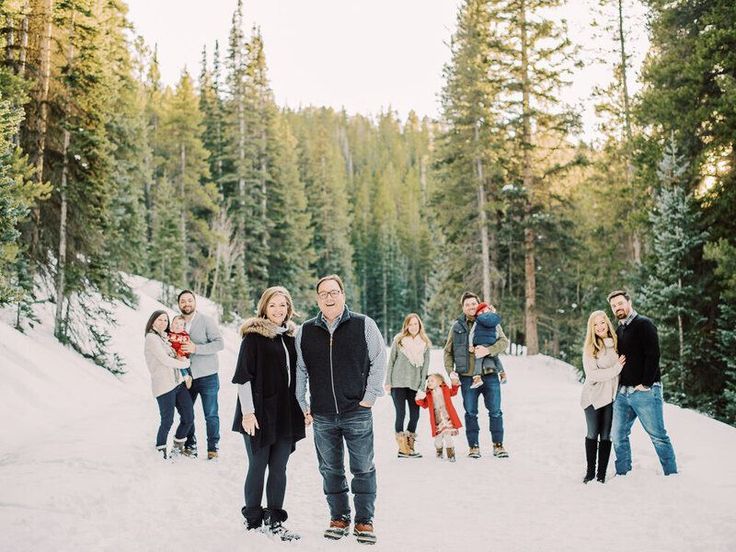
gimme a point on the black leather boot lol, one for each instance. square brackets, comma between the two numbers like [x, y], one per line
[253, 517]
[273, 519]
[591, 447]
[604, 453]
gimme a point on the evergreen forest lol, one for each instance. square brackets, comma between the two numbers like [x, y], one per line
[208, 184]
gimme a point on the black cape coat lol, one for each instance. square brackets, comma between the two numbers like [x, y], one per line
[262, 361]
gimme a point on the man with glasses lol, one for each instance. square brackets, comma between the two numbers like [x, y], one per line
[343, 357]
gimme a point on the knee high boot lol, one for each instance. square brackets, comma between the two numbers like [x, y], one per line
[591, 448]
[604, 453]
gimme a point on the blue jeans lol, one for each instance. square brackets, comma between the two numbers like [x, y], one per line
[176, 398]
[208, 386]
[355, 428]
[491, 390]
[647, 406]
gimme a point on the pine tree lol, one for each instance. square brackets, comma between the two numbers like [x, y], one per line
[672, 284]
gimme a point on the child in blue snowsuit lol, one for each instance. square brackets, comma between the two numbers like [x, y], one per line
[483, 333]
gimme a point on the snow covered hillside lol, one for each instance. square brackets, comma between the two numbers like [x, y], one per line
[78, 469]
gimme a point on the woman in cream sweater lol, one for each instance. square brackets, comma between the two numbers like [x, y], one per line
[602, 366]
[167, 383]
[405, 375]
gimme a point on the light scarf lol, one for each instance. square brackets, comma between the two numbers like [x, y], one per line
[413, 348]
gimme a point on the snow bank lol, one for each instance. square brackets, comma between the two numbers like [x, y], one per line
[77, 470]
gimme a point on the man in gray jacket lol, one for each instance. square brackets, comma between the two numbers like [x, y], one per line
[206, 342]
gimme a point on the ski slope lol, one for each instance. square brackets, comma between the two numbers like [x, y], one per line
[78, 471]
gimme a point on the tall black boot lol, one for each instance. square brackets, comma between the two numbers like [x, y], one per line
[253, 517]
[591, 447]
[604, 453]
[273, 519]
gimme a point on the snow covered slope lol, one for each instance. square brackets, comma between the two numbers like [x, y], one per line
[78, 471]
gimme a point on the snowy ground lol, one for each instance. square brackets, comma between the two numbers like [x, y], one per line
[77, 469]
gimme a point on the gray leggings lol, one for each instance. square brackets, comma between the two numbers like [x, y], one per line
[599, 422]
[275, 458]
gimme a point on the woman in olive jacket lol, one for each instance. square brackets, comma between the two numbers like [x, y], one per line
[267, 413]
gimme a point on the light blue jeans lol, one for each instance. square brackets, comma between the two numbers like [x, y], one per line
[647, 406]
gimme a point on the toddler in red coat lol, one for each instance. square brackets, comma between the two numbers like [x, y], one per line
[443, 417]
[178, 336]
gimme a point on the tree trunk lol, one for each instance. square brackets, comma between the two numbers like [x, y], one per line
[530, 287]
[635, 250]
[42, 100]
[61, 261]
[482, 220]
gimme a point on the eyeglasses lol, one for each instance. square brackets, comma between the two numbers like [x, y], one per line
[334, 293]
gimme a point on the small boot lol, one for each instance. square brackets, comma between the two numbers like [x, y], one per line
[401, 440]
[439, 452]
[411, 439]
[591, 447]
[604, 453]
[178, 448]
[163, 451]
[451, 454]
[273, 520]
[253, 517]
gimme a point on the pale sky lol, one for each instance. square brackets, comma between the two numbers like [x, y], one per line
[363, 55]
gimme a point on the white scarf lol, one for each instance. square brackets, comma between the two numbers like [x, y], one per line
[413, 348]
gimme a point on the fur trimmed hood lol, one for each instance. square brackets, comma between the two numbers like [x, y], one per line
[265, 327]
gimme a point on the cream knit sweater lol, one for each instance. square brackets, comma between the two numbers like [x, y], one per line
[601, 377]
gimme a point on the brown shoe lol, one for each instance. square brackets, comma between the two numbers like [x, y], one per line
[338, 529]
[364, 533]
[211, 455]
[499, 451]
[474, 452]
[439, 452]
[451, 454]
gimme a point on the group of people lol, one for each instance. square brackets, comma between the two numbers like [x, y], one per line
[340, 357]
[182, 358]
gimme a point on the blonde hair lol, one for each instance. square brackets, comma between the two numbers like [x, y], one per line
[593, 343]
[268, 295]
[405, 329]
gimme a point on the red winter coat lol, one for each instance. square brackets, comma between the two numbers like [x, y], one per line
[451, 412]
[177, 340]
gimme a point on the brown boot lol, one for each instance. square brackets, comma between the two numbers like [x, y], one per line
[411, 439]
[401, 440]
[439, 452]
[451, 454]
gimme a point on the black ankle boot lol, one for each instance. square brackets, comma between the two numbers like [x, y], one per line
[273, 519]
[604, 453]
[253, 517]
[591, 447]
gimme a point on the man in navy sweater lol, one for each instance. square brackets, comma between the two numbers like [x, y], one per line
[640, 386]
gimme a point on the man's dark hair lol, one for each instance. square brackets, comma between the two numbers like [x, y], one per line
[618, 292]
[184, 292]
[334, 277]
[468, 295]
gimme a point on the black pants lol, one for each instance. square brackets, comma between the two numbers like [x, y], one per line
[599, 422]
[275, 458]
[402, 396]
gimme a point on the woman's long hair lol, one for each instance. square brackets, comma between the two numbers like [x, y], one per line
[152, 319]
[405, 329]
[594, 344]
[268, 295]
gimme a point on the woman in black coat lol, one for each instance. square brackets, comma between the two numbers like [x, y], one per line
[267, 413]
